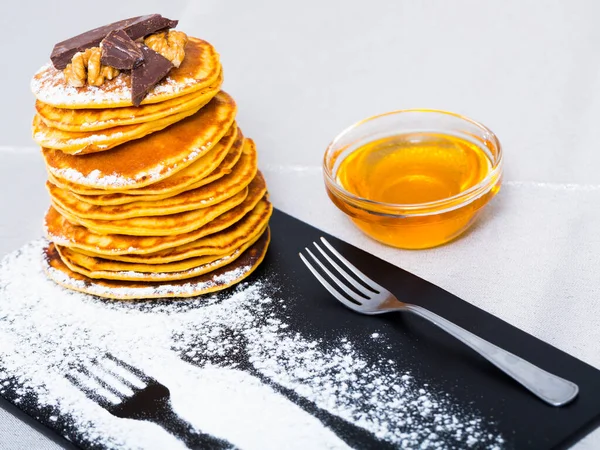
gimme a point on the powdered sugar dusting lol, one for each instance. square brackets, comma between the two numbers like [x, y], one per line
[225, 359]
[154, 291]
[49, 86]
[48, 140]
[116, 181]
[189, 273]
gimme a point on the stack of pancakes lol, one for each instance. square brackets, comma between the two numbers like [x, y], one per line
[160, 200]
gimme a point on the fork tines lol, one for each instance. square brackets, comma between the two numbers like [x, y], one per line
[108, 381]
[355, 292]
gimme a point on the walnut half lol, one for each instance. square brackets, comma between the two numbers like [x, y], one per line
[170, 44]
[86, 67]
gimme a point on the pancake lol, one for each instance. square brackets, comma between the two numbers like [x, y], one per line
[79, 120]
[76, 143]
[194, 199]
[172, 224]
[146, 161]
[223, 242]
[220, 158]
[60, 230]
[200, 68]
[92, 263]
[179, 270]
[162, 200]
[216, 280]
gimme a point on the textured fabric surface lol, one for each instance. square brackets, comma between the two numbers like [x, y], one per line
[16, 434]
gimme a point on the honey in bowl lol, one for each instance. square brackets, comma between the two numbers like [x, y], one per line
[417, 188]
[413, 168]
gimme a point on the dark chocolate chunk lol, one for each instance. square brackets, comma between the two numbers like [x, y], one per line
[135, 27]
[148, 74]
[151, 24]
[120, 51]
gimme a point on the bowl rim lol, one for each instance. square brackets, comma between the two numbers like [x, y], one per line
[413, 209]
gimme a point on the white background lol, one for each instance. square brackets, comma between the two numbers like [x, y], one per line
[303, 71]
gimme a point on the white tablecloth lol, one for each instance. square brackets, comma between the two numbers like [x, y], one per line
[303, 71]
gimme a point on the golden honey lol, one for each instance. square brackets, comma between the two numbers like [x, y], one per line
[413, 168]
[416, 189]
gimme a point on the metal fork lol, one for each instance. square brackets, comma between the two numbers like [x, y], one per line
[375, 299]
[127, 393]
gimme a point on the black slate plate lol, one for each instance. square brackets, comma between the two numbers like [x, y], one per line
[523, 420]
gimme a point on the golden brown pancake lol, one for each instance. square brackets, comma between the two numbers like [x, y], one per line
[199, 69]
[219, 159]
[61, 231]
[146, 161]
[75, 143]
[223, 242]
[79, 120]
[199, 198]
[172, 224]
[213, 281]
[94, 263]
[180, 270]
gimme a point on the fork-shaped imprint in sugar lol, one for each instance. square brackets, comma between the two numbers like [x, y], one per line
[126, 392]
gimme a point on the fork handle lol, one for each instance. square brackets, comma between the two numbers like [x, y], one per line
[552, 389]
[193, 439]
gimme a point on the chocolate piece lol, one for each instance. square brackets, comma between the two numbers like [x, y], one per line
[148, 74]
[135, 27]
[120, 51]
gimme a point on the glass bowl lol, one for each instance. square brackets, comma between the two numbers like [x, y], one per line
[414, 225]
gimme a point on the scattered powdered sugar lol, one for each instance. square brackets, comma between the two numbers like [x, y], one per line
[47, 140]
[155, 291]
[115, 181]
[170, 85]
[228, 361]
[49, 86]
